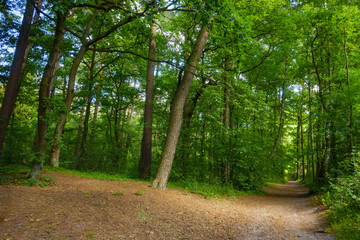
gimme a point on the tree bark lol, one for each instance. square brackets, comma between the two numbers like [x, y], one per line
[282, 110]
[13, 83]
[44, 93]
[226, 119]
[76, 149]
[351, 138]
[302, 134]
[55, 150]
[146, 143]
[176, 112]
[298, 147]
[87, 113]
[311, 133]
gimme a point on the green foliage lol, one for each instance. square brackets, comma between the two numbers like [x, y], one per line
[13, 168]
[210, 190]
[89, 174]
[18, 174]
[343, 203]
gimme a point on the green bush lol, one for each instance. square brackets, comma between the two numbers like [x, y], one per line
[343, 202]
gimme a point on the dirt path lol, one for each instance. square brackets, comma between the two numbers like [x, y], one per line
[78, 208]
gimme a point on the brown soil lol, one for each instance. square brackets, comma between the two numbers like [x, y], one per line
[79, 208]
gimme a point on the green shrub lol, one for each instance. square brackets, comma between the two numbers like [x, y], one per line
[343, 202]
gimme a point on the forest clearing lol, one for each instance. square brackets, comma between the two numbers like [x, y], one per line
[80, 208]
[216, 97]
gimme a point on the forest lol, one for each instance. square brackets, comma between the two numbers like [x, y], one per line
[233, 93]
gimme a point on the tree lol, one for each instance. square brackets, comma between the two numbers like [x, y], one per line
[146, 143]
[176, 113]
[14, 80]
[44, 93]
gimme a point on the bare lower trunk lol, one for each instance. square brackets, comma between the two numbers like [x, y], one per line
[176, 113]
[13, 83]
[146, 143]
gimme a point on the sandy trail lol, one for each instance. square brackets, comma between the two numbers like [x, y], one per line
[78, 208]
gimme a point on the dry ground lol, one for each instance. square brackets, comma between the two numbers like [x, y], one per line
[79, 208]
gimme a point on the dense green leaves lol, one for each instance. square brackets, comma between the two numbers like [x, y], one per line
[275, 76]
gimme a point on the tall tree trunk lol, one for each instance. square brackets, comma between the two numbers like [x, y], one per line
[176, 112]
[55, 150]
[324, 162]
[311, 133]
[351, 138]
[282, 110]
[146, 143]
[87, 112]
[302, 134]
[302, 146]
[226, 119]
[31, 37]
[44, 93]
[13, 83]
[93, 128]
[298, 146]
[76, 149]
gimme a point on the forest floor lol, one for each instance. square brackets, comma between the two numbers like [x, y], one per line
[80, 208]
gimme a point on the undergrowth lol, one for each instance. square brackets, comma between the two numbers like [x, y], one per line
[211, 190]
[205, 189]
[92, 174]
[18, 174]
[343, 203]
[340, 196]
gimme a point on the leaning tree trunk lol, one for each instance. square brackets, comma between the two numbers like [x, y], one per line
[55, 150]
[176, 113]
[44, 93]
[13, 84]
[146, 143]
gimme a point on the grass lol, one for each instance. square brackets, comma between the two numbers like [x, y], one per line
[121, 193]
[205, 189]
[92, 174]
[211, 190]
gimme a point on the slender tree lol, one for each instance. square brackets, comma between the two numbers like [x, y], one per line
[146, 143]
